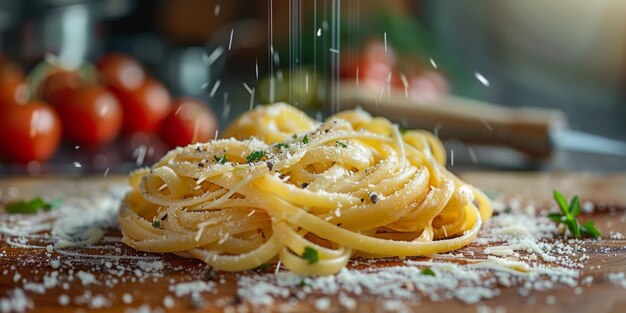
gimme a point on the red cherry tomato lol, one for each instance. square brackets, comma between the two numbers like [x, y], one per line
[190, 121]
[12, 93]
[375, 75]
[375, 51]
[10, 71]
[30, 132]
[91, 116]
[427, 85]
[144, 108]
[121, 71]
[377, 66]
[348, 65]
[58, 86]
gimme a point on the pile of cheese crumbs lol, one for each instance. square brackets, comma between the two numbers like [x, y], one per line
[79, 245]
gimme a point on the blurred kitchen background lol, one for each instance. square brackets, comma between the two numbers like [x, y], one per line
[230, 55]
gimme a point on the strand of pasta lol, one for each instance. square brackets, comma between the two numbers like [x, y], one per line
[354, 185]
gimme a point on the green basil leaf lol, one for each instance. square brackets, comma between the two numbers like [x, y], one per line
[32, 206]
[574, 206]
[574, 228]
[589, 229]
[560, 200]
[556, 217]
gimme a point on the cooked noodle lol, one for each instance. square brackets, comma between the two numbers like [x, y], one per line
[282, 184]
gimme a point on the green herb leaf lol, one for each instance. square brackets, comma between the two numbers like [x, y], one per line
[220, 160]
[573, 227]
[560, 200]
[402, 130]
[255, 156]
[281, 145]
[311, 255]
[30, 207]
[589, 228]
[264, 267]
[156, 224]
[508, 210]
[574, 206]
[303, 283]
[427, 271]
[305, 139]
[341, 144]
[556, 217]
[569, 217]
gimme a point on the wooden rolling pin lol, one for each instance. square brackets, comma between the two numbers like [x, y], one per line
[525, 129]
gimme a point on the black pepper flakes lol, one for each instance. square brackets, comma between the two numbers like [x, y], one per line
[304, 185]
[373, 197]
[200, 165]
[209, 273]
[362, 200]
[270, 165]
[164, 217]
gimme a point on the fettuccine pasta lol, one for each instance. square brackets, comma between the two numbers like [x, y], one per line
[282, 187]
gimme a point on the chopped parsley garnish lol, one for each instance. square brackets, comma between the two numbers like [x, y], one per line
[508, 210]
[305, 139]
[303, 283]
[32, 206]
[568, 217]
[220, 160]
[311, 255]
[427, 271]
[294, 136]
[255, 156]
[341, 144]
[156, 224]
[281, 145]
[264, 267]
[402, 130]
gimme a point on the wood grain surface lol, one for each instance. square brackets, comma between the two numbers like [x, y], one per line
[111, 262]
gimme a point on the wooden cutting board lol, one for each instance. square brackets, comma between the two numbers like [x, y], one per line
[116, 287]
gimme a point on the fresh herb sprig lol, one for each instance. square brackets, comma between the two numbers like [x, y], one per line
[31, 206]
[427, 271]
[255, 156]
[568, 217]
[311, 255]
[220, 160]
